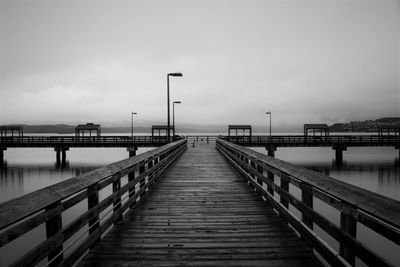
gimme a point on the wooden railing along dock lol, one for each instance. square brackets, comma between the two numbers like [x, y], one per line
[46, 207]
[317, 141]
[355, 205]
[201, 138]
[83, 141]
[293, 192]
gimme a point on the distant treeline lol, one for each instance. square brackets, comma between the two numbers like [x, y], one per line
[353, 126]
[364, 126]
[70, 129]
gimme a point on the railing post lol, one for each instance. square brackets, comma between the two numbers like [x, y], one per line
[284, 187]
[131, 176]
[149, 166]
[253, 166]
[116, 187]
[155, 173]
[307, 199]
[259, 170]
[142, 169]
[270, 175]
[54, 226]
[348, 225]
[93, 200]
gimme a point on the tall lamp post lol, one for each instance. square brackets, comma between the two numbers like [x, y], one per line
[174, 74]
[270, 115]
[173, 117]
[132, 113]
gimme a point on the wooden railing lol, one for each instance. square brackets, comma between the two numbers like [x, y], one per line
[47, 206]
[355, 205]
[79, 141]
[201, 138]
[332, 140]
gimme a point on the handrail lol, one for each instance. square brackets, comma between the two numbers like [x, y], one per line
[356, 205]
[201, 138]
[46, 206]
[331, 140]
[78, 141]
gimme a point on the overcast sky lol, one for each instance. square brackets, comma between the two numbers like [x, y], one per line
[96, 61]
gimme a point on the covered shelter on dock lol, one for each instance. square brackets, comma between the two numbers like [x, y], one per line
[389, 130]
[81, 129]
[243, 128]
[11, 129]
[316, 129]
[162, 130]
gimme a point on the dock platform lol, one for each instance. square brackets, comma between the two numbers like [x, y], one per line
[201, 213]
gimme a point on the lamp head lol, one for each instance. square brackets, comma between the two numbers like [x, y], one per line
[175, 74]
[177, 102]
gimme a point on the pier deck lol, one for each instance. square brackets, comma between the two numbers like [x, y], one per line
[201, 213]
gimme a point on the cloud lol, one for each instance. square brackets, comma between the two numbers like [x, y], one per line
[306, 62]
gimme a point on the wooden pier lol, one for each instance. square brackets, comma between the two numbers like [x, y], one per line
[62, 144]
[199, 204]
[201, 213]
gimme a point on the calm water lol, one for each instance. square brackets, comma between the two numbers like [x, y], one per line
[375, 169]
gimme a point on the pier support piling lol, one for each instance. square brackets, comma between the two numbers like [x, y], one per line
[2, 149]
[339, 154]
[132, 150]
[61, 155]
[58, 157]
[271, 151]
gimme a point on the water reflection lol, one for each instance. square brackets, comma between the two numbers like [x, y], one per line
[374, 169]
[17, 179]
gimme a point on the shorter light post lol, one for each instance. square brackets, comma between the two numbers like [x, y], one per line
[174, 74]
[173, 117]
[132, 113]
[270, 115]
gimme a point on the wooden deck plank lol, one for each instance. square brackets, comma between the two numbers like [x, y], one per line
[201, 213]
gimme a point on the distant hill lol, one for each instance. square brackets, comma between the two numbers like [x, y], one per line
[353, 126]
[57, 128]
[364, 126]
[70, 129]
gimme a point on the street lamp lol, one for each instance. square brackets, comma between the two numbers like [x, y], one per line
[270, 115]
[174, 74]
[133, 113]
[173, 116]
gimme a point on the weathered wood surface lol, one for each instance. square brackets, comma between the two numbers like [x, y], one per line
[201, 213]
[387, 209]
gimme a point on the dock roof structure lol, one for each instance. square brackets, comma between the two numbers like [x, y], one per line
[243, 128]
[389, 129]
[161, 129]
[4, 129]
[88, 127]
[316, 128]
